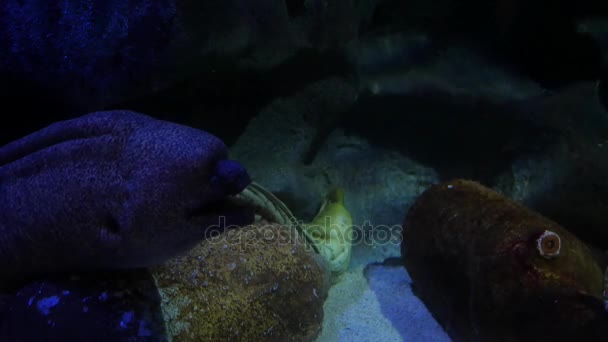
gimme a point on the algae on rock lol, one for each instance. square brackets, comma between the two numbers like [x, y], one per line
[259, 282]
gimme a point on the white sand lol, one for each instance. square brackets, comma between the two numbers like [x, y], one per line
[373, 302]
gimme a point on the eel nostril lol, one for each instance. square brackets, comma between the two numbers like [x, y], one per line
[231, 176]
[111, 224]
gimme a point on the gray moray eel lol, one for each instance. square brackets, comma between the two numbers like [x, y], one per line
[110, 190]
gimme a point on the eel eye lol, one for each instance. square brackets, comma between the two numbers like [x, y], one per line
[549, 244]
[230, 176]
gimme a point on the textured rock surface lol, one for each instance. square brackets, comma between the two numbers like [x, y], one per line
[117, 306]
[567, 181]
[254, 283]
[275, 142]
[94, 54]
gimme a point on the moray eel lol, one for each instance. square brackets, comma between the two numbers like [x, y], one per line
[331, 231]
[109, 190]
[329, 234]
[491, 269]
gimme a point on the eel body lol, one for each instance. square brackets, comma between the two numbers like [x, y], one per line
[491, 269]
[113, 189]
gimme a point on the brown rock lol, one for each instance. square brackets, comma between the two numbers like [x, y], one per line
[257, 283]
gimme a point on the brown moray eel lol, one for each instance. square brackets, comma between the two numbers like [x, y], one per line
[113, 189]
[491, 269]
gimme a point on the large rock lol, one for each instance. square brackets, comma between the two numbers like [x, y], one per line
[94, 55]
[567, 180]
[278, 143]
[258, 283]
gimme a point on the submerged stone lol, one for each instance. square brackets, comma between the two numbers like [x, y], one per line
[260, 282]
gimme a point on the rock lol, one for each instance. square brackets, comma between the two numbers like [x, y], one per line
[566, 181]
[275, 143]
[93, 56]
[117, 306]
[254, 283]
